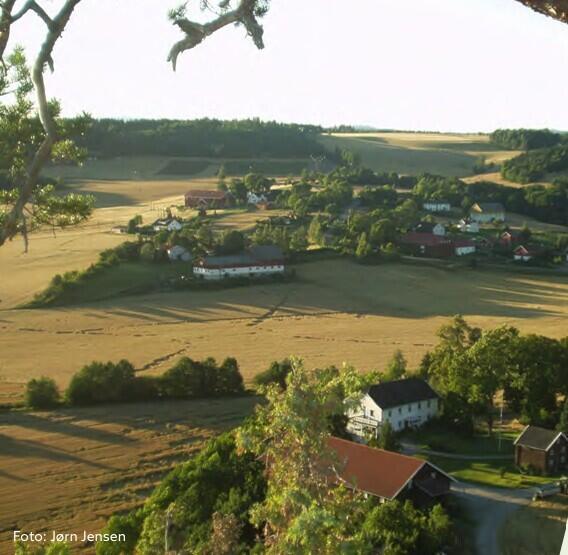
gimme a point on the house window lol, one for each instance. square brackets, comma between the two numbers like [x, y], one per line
[372, 412]
[399, 410]
[419, 405]
[390, 413]
[428, 404]
[409, 408]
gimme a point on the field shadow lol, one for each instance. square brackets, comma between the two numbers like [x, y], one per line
[401, 291]
[23, 448]
[47, 425]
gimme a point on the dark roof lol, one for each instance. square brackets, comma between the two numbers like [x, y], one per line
[205, 194]
[401, 392]
[426, 227]
[538, 438]
[489, 206]
[266, 252]
[259, 254]
[426, 239]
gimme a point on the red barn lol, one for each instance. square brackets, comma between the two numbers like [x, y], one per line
[205, 199]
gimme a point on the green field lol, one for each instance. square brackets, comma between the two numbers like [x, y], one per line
[267, 167]
[183, 166]
[490, 472]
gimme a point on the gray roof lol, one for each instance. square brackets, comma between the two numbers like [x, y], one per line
[538, 438]
[256, 254]
[401, 392]
[490, 206]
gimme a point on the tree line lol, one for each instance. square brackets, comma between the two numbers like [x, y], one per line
[212, 138]
[524, 139]
[535, 164]
[101, 383]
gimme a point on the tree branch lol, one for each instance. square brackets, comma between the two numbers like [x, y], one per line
[32, 5]
[13, 221]
[558, 9]
[195, 33]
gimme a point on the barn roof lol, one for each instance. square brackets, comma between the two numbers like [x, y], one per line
[490, 207]
[205, 193]
[376, 471]
[538, 438]
[401, 392]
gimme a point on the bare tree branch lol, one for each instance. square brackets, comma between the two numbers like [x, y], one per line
[15, 219]
[195, 33]
[5, 25]
[32, 5]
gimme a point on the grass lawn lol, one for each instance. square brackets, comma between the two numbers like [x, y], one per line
[537, 529]
[126, 278]
[487, 472]
[480, 444]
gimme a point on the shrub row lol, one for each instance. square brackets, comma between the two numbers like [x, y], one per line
[99, 383]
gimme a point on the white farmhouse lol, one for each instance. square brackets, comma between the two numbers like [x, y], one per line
[169, 224]
[468, 226]
[404, 404]
[255, 198]
[177, 253]
[437, 206]
[258, 261]
[487, 212]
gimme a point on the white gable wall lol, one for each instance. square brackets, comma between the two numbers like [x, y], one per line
[370, 416]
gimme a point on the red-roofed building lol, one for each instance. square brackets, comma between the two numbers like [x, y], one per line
[427, 244]
[205, 199]
[389, 475]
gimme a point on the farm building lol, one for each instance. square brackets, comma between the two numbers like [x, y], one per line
[389, 475]
[177, 253]
[257, 261]
[468, 226]
[205, 199]
[437, 206]
[542, 449]
[487, 212]
[427, 244]
[526, 254]
[463, 247]
[255, 198]
[509, 238]
[167, 224]
[431, 227]
[403, 403]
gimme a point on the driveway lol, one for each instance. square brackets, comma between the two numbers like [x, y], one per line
[490, 507]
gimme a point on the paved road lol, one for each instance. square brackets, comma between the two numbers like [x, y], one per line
[412, 449]
[490, 507]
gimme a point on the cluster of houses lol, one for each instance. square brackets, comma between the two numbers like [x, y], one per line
[410, 403]
[209, 199]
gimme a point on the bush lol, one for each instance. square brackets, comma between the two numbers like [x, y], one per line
[275, 374]
[102, 383]
[42, 393]
[190, 378]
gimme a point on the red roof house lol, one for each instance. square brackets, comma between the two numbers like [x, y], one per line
[389, 475]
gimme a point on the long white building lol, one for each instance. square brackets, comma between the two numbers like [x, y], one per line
[258, 261]
[407, 403]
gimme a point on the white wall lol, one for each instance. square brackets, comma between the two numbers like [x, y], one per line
[220, 273]
[461, 251]
[369, 415]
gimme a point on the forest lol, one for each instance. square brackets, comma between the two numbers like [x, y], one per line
[210, 138]
[534, 165]
[524, 139]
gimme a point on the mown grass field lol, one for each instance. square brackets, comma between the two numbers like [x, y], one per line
[537, 529]
[416, 153]
[70, 470]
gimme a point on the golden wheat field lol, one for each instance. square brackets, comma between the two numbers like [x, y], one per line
[416, 153]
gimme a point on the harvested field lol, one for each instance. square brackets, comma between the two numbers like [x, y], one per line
[416, 153]
[336, 311]
[70, 470]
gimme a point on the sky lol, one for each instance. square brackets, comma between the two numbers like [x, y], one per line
[443, 65]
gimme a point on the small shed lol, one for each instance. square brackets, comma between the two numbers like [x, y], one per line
[544, 450]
